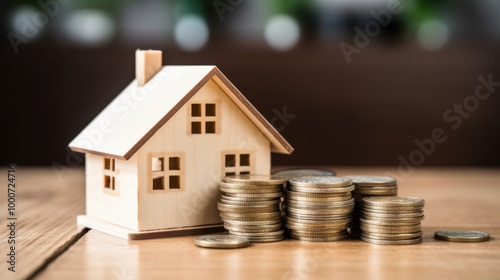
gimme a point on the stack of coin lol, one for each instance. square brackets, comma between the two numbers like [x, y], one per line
[250, 206]
[319, 208]
[392, 220]
[366, 186]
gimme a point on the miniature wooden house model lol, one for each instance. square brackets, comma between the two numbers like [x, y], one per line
[154, 155]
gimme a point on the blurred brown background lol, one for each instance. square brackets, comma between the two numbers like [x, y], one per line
[64, 61]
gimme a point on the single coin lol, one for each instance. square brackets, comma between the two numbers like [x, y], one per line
[389, 222]
[251, 198]
[320, 239]
[251, 191]
[320, 182]
[368, 180]
[318, 234]
[380, 192]
[315, 204]
[260, 234]
[314, 189]
[250, 203]
[252, 228]
[248, 187]
[336, 221]
[462, 235]
[293, 194]
[393, 201]
[321, 211]
[392, 236]
[253, 222]
[391, 242]
[300, 172]
[221, 241]
[378, 215]
[255, 195]
[319, 199]
[253, 179]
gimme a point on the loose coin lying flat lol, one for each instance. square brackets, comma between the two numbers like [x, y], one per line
[462, 235]
[221, 241]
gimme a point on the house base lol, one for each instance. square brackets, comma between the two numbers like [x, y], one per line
[129, 234]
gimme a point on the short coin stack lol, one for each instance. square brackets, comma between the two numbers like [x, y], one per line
[250, 206]
[366, 186]
[319, 208]
[392, 220]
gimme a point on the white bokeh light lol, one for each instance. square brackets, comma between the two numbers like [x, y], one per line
[433, 34]
[89, 27]
[23, 22]
[191, 33]
[282, 32]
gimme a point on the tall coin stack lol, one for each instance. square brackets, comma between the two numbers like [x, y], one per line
[392, 220]
[250, 206]
[366, 186]
[319, 208]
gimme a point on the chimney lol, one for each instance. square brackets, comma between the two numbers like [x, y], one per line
[147, 64]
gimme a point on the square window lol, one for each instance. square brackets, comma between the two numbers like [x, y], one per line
[174, 163]
[195, 127]
[109, 164]
[174, 182]
[210, 127]
[230, 160]
[245, 160]
[158, 183]
[210, 110]
[195, 110]
[157, 164]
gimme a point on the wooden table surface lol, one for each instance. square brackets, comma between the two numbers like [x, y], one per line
[49, 245]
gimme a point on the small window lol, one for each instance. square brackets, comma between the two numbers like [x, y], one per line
[230, 173]
[196, 127]
[109, 182]
[210, 110]
[174, 163]
[230, 161]
[244, 172]
[109, 164]
[210, 127]
[158, 183]
[244, 160]
[196, 110]
[157, 164]
[174, 182]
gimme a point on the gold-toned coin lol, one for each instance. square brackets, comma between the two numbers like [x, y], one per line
[258, 234]
[250, 191]
[393, 201]
[294, 194]
[392, 236]
[253, 179]
[254, 195]
[368, 180]
[333, 221]
[250, 203]
[391, 242]
[390, 223]
[253, 222]
[265, 239]
[253, 228]
[314, 189]
[462, 235]
[320, 182]
[390, 229]
[318, 234]
[319, 199]
[250, 198]
[320, 239]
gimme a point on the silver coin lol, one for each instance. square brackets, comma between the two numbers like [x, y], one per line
[221, 241]
[320, 182]
[368, 180]
[300, 172]
[462, 235]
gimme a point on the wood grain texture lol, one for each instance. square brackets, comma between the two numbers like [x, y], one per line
[455, 199]
[47, 203]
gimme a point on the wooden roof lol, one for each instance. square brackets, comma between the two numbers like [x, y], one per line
[138, 112]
